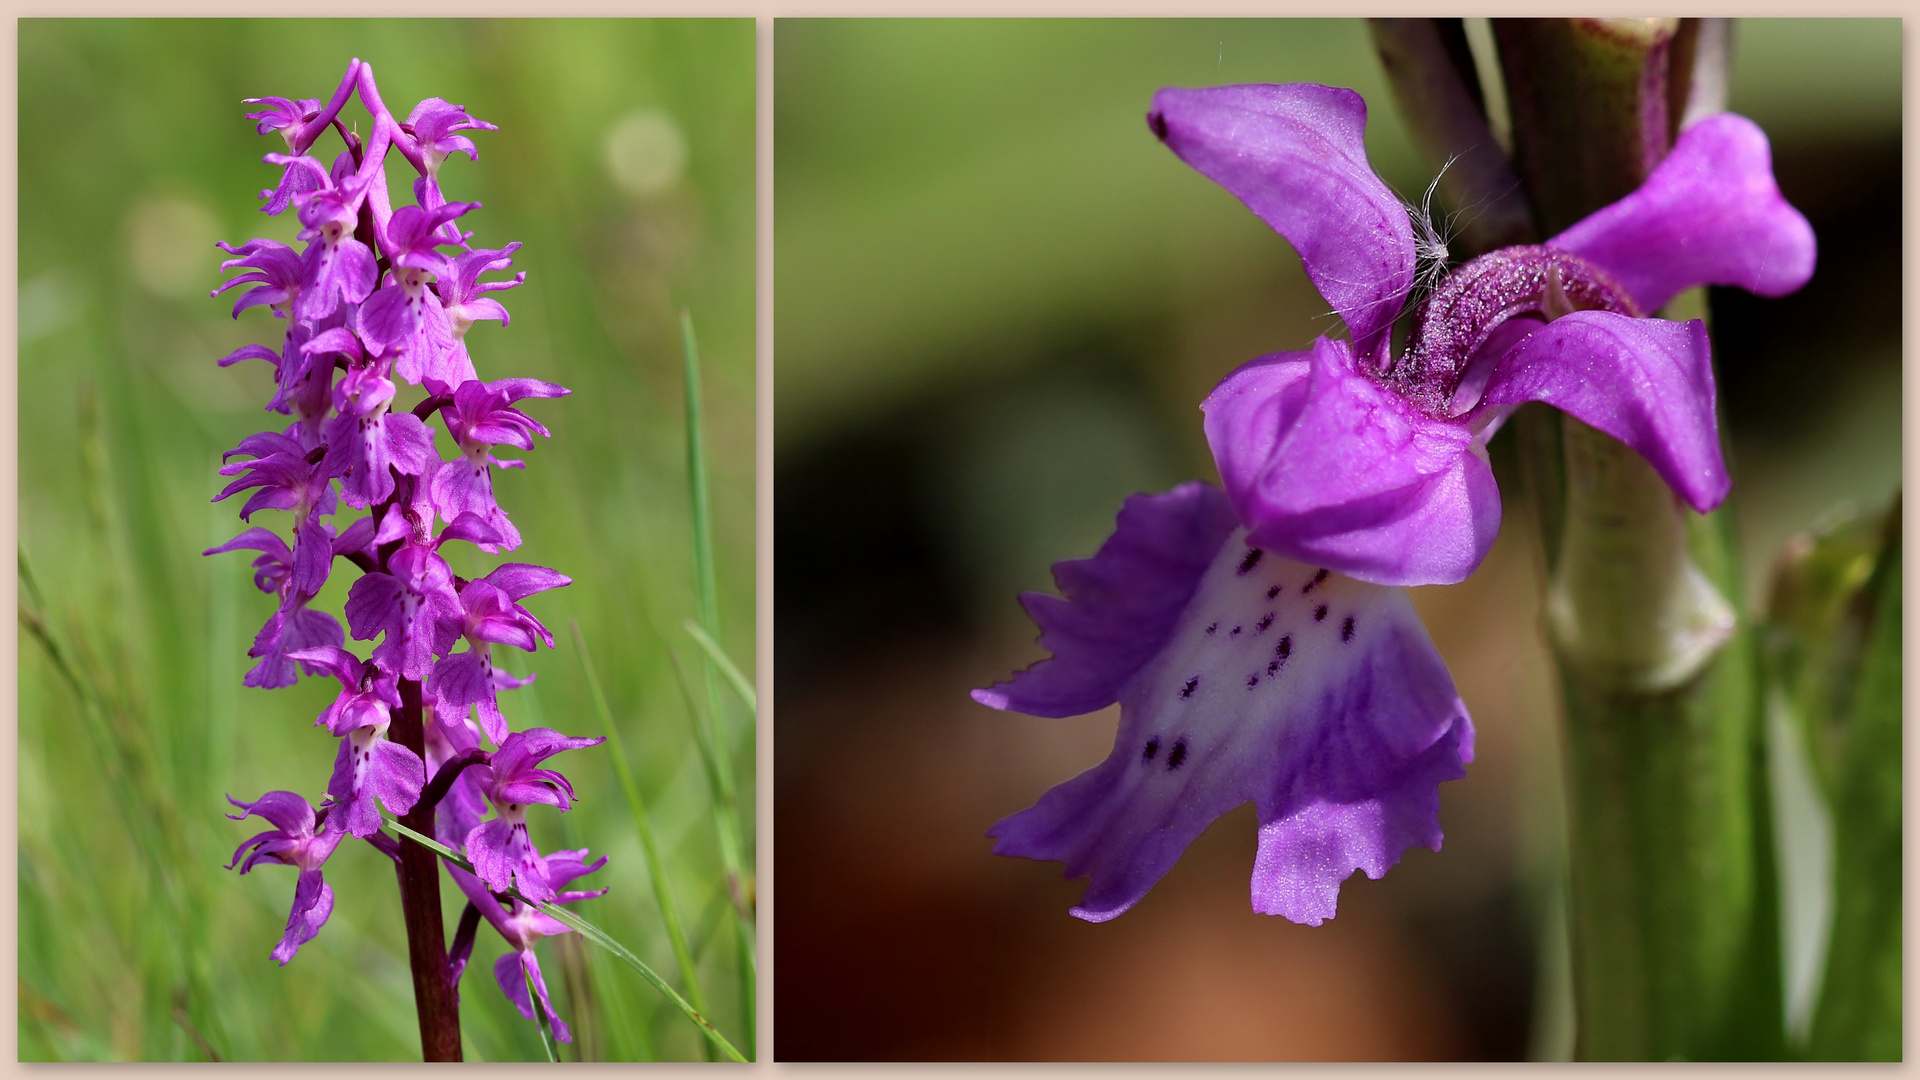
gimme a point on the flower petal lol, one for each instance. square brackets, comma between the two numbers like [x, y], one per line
[1120, 605]
[1304, 692]
[1331, 468]
[1297, 156]
[1646, 382]
[312, 903]
[1710, 214]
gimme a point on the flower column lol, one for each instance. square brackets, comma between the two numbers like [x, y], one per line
[1672, 908]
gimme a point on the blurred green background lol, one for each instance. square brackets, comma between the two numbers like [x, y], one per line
[998, 303]
[625, 163]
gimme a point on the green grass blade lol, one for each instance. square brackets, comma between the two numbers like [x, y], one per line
[540, 1021]
[727, 668]
[590, 932]
[656, 873]
[726, 812]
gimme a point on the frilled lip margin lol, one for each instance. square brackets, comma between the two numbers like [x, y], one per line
[1241, 677]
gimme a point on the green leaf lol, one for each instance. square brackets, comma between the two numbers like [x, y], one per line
[540, 1020]
[590, 932]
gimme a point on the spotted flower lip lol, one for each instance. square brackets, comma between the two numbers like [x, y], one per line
[1373, 465]
[1241, 677]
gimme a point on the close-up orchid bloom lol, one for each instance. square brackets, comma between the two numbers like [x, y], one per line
[1250, 636]
[1373, 464]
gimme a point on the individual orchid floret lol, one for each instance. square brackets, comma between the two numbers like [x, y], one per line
[461, 290]
[284, 116]
[405, 317]
[293, 580]
[295, 577]
[296, 840]
[1373, 465]
[413, 603]
[433, 122]
[480, 417]
[303, 374]
[367, 443]
[522, 925]
[292, 627]
[368, 694]
[336, 268]
[502, 854]
[372, 767]
[281, 468]
[276, 275]
[1241, 677]
[491, 616]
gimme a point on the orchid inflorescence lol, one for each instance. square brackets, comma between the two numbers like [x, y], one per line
[373, 300]
[1257, 638]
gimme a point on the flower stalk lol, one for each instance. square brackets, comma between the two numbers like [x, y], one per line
[1672, 901]
[434, 993]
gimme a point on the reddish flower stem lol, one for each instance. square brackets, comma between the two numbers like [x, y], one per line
[433, 993]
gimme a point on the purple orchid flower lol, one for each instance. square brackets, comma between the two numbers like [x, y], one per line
[294, 842]
[413, 603]
[522, 925]
[461, 289]
[501, 853]
[280, 469]
[276, 275]
[405, 317]
[284, 116]
[295, 577]
[490, 616]
[479, 418]
[1241, 676]
[367, 443]
[342, 316]
[1349, 458]
[371, 766]
[368, 693]
[433, 122]
[335, 269]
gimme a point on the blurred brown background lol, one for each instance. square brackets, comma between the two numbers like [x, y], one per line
[999, 302]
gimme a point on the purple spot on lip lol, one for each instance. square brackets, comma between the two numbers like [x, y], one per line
[1177, 755]
[1252, 559]
[1187, 690]
[1153, 747]
[1319, 613]
[1346, 629]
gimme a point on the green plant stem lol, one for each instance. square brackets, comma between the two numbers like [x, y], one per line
[1672, 905]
